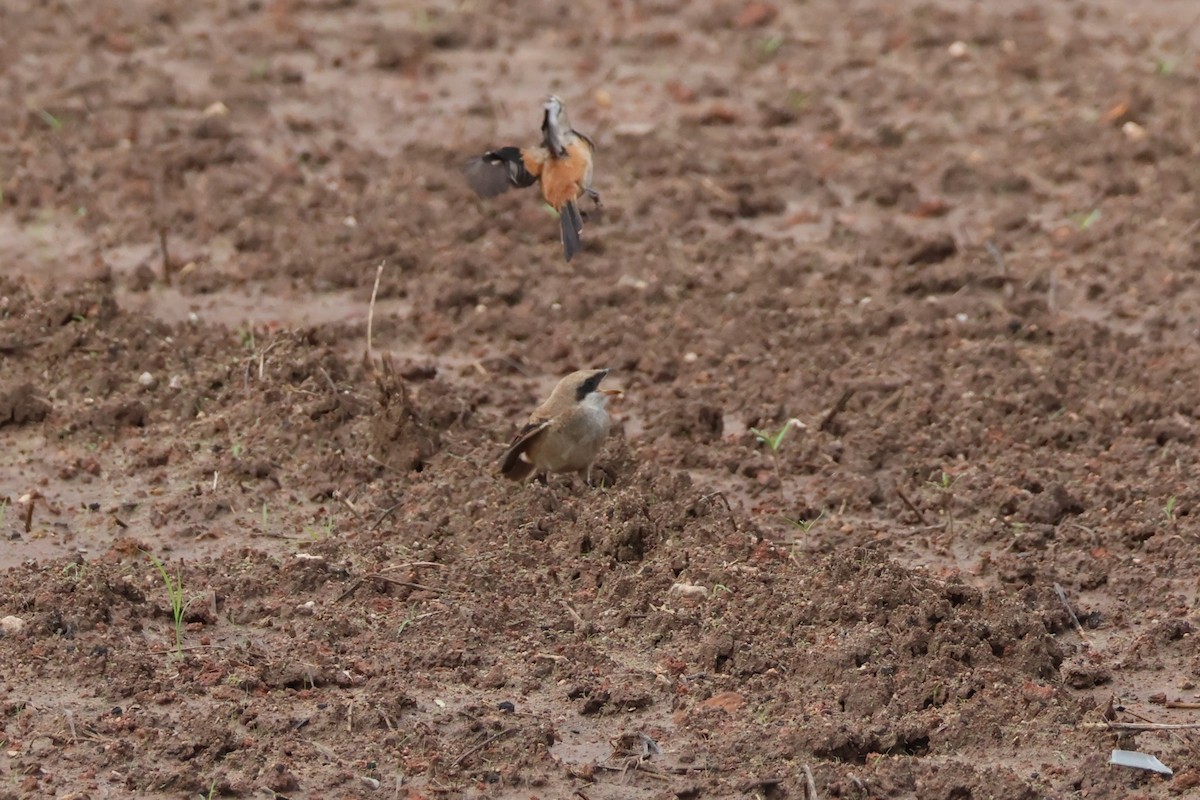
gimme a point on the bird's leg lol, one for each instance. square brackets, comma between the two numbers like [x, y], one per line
[541, 478]
[594, 195]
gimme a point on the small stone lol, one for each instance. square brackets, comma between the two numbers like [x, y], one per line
[147, 380]
[957, 49]
[1133, 131]
[12, 625]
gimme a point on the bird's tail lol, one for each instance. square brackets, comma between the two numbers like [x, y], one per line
[572, 226]
[515, 465]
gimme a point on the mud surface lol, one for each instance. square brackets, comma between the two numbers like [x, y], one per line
[958, 242]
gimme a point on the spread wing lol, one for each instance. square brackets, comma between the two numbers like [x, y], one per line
[514, 464]
[497, 171]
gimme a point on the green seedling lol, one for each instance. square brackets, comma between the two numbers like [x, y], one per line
[237, 450]
[174, 587]
[54, 122]
[319, 534]
[1169, 509]
[775, 441]
[1164, 66]
[74, 572]
[945, 485]
[771, 46]
[1085, 221]
[805, 525]
[408, 620]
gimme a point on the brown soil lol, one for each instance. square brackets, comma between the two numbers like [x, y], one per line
[958, 241]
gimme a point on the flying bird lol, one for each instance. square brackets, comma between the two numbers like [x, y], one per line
[561, 166]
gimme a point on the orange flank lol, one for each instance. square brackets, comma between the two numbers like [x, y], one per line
[563, 179]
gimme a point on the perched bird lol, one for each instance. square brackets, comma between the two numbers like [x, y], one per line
[561, 166]
[566, 432]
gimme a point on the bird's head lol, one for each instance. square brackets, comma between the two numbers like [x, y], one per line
[555, 126]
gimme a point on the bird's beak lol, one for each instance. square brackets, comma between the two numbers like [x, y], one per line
[617, 393]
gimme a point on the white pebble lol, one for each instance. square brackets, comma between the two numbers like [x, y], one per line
[12, 625]
[1133, 131]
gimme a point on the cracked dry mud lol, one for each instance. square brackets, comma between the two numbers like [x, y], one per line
[957, 241]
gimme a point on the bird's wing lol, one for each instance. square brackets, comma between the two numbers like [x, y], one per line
[513, 465]
[497, 171]
[488, 178]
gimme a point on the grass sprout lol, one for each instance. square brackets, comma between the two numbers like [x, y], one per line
[174, 586]
[775, 441]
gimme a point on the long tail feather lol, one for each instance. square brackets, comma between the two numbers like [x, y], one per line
[572, 225]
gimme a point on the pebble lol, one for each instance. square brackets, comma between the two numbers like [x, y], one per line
[12, 625]
[1133, 131]
[147, 380]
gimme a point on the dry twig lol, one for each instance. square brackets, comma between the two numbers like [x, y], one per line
[1062, 598]
[371, 308]
[838, 407]
[482, 745]
[810, 782]
[911, 507]
[1140, 726]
